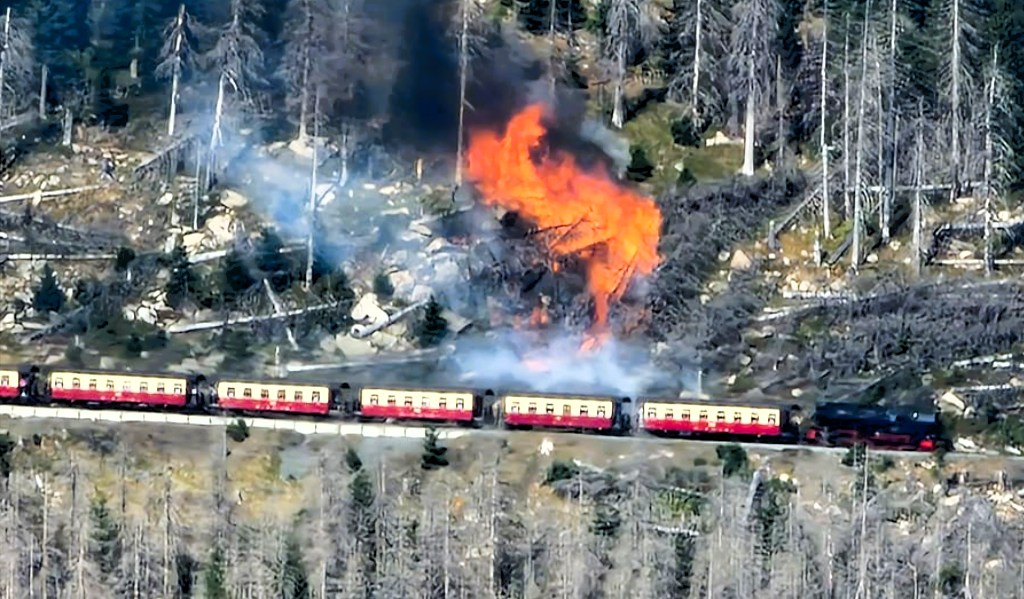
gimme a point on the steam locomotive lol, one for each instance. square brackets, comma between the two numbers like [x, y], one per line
[831, 424]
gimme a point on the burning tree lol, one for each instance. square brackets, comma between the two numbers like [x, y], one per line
[579, 212]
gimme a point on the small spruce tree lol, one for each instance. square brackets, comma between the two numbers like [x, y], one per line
[6, 453]
[640, 167]
[183, 281]
[434, 455]
[432, 330]
[48, 296]
[106, 537]
[382, 286]
[213, 575]
[734, 459]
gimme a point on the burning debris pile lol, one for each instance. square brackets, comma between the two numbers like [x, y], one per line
[579, 213]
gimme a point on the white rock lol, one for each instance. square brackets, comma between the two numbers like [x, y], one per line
[193, 242]
[403, 283]
[740, 261]
[421, 293]
[367, 310]
[53, 181]
[146, 314]
[723, 256]
[437, 245]
[872, 258]
[804, 286]
[221, 228]
[232, 199]
[744, 360]
[388, 190]
[353, 348]
[796, 392]
[165, 199]
[966, 254]
[301, 148]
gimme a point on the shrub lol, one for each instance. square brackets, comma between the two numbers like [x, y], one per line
[561, 470]
[432, 330]
[48, 296]
[734, 459]
[640, 167]
[238, 431]
[382, 285]
[685, 133]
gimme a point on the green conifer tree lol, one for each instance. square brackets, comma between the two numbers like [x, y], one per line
[434, 455]
[433, 328]
[105, 537]
[294, 580]
[48, 296]
[183, 281]
[213, 575]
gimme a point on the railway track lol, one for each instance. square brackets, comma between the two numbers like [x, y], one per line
[393, 431]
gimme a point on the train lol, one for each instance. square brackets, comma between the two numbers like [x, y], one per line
[833, 424]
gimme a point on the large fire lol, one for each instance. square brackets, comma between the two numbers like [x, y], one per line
[580, 212]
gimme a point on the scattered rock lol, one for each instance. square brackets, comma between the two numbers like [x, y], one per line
[872, 258]
[740, 261]
[193, 242]
[438, 245]
[367, 311]
[744, 360]
[353, 348]
[232, 199]
[165, 199]
[456, 323]
[221, 228]
[951, 402]
[403, 283]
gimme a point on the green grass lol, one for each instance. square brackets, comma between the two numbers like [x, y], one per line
[652, 129]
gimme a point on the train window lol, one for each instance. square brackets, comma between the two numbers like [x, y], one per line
[514, 408]
[392, 400]
[685, 415]
[424, 403]
[231, 391]
[652, 413]
[771, 418]
[5, 380]
[127, 386]
[460, 404]
[178, 390]
[160, 387]
[600, 412]
[532, 408]
[374, 400]
[584, 410]
[92, 384]
[316, 396]
[566, 410]
[283, 395]
[753, 418]
[110, 385]
[144, 387]
[668, 414]
[720, 416]
[76, 384]
[264, 393]
[408, 401]
[737, 416]
[298, 396]
[703, 415]
[247, 392]
[442, 403]
[549, 409]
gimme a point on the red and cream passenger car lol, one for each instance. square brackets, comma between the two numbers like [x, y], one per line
[706, 418]
[109, 387]
[10, 383]
[558, 412]
[273, 396]
[417, 404]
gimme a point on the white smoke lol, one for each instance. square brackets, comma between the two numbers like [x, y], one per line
[613, 144]
[508, 361]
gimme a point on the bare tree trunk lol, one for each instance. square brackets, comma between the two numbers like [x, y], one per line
[4, 56]
[989, 150]
[312, 193]
[694, 85]
[463, 74]
[954, 147]
[304, 96]
[552, 5]
[216, 135]
[747, 170]
[918, 214]
[847, 200]
[68, 122]
[780, 115]
[42, 92]
[826, 217]
[857, 183]
[176, 75]
[890, 196]
[618, 108]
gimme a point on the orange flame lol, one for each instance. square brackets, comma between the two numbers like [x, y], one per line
[611, 228]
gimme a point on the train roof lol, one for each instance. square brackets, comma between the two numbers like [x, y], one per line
[414, 388]
[553, 395]
[712, 402]
[143, 373]
[273, 381]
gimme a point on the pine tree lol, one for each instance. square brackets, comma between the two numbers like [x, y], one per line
[48, 296]
[106, 538]
[434, 455]
[362, 518]
[6, 450]
[434, 327]
[213, 575]
[294, 580]
[182, 283]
